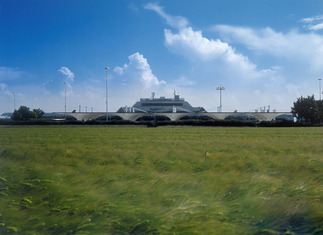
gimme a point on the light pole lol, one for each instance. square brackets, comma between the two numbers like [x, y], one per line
[220, 88]
[65, 83]
[320, 87]
[106, 93]
[14, 101]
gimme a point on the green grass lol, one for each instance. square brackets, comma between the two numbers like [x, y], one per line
[135, 180]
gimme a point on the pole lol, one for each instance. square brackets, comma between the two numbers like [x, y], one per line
[14, 101]
[106, 93]
[220, 88]
[320, 88]
[221, 99]
[65, 99]
[320, 99]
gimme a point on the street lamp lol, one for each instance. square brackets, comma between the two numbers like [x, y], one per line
[65, 83]
[320, 87]
[106, 93]
[220, 88]
[14, 101]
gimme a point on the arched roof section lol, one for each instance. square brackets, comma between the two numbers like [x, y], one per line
[110, 118]
[241, 117]
[196, 117]
[7, 115]
[56, 116]
[284, 117]
[153, 117]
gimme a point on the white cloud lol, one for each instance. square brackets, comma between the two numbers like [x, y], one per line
[215, 61]
[67, 72]
[138, 69]
[67, 84]
[314, 23]
[264, 39]
[194, 46]
[5, 90]
[7, 73]
[174, 21]
[184, 81]
[301, 49]
[205, 49]
[316, 27]
[118, 70]
[312, 19]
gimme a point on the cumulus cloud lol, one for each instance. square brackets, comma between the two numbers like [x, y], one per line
[193, 45]
[67, 72]
[118, 70]
[138, 69]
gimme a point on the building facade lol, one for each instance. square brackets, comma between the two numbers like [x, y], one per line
[162, 105]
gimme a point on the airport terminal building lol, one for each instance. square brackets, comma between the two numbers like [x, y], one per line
[162, 105]
[171, 109]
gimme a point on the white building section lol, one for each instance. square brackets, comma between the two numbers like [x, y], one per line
[162, 105]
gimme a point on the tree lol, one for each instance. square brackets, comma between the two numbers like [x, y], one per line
[38, 113]
[306, 109]
[320, 110]
[24, 114]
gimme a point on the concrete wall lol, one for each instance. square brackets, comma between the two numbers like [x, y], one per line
[176, 116]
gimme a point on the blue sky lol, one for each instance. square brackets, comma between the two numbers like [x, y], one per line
[264, 53]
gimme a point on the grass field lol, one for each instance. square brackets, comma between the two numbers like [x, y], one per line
[136, 180]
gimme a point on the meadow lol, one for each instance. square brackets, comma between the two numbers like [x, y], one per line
[165, 180]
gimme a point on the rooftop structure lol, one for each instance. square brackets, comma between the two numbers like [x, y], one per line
[162, 105]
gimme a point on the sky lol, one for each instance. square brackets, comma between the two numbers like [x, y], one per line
[267, 52]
